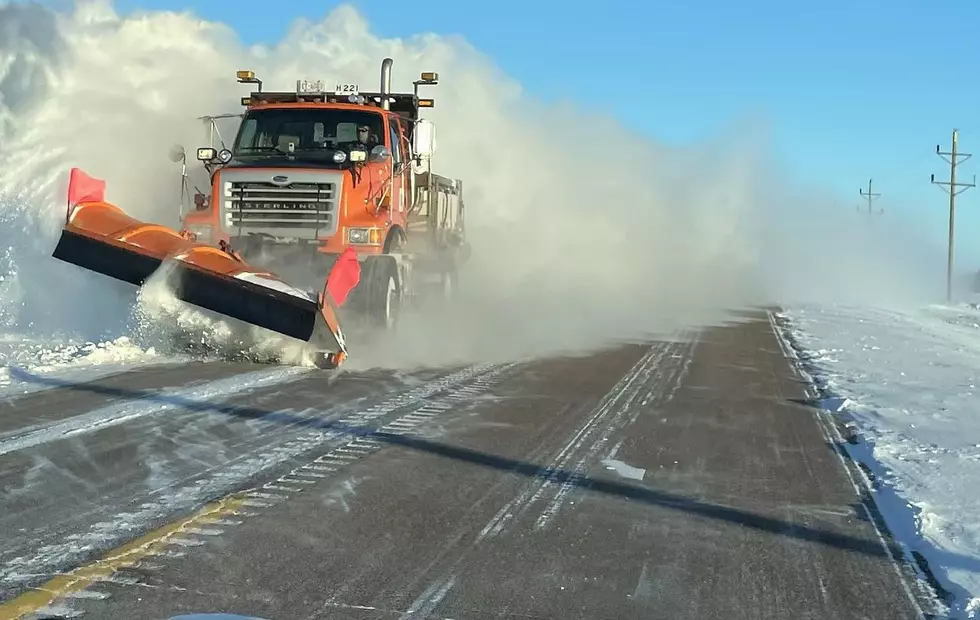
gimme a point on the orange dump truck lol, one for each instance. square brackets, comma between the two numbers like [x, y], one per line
[325, 199]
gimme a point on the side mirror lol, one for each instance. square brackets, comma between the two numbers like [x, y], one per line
[380, 153]
[177, 154]
[424, 139]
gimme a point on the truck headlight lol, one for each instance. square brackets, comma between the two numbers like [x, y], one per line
[202, 232]
[364, 236]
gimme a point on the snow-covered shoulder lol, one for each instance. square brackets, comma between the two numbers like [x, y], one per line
[908, 379]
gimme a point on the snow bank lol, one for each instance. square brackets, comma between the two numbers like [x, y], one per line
[907, 379]
[70, 359]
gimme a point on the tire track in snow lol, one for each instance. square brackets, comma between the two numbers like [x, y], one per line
[661, 386]
[427, 602]
[646, 377]
[647, 383]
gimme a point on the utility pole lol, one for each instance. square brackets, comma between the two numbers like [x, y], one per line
[951, 187]
[870, 196]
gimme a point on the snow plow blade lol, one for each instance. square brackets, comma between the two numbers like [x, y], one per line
[101, 237]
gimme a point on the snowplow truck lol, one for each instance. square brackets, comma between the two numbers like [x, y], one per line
[322, 172]
[325, 201]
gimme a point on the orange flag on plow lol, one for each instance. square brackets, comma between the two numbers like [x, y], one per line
[344, 276]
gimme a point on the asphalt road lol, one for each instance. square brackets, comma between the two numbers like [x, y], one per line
[672, 480]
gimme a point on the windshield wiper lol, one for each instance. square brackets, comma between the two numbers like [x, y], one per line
[261, 149]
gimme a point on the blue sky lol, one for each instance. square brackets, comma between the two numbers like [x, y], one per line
[852, 89]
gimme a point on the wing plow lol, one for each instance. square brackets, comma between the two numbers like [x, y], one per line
[101, 237]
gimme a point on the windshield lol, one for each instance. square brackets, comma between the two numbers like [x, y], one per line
[307, 129]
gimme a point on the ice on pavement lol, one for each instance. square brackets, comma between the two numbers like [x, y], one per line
[908, 379]
[624, 469]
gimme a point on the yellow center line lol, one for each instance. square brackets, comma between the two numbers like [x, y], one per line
[122, 557]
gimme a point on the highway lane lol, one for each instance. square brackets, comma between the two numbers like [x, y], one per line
[64, 401]
[86, 467]
[678, 479]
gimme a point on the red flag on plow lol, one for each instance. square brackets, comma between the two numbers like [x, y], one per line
[344, 276]
[83, 188]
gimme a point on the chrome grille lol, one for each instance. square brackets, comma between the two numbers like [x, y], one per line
[299, 208]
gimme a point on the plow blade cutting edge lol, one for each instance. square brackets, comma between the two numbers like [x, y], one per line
[101, 237]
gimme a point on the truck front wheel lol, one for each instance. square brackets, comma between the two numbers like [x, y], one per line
[384, 296]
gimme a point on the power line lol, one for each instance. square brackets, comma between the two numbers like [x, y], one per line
[951, 187]
[870, 196]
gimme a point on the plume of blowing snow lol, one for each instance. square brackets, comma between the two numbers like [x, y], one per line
[582, 230]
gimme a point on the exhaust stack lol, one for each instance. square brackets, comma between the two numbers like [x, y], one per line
[385, 82]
